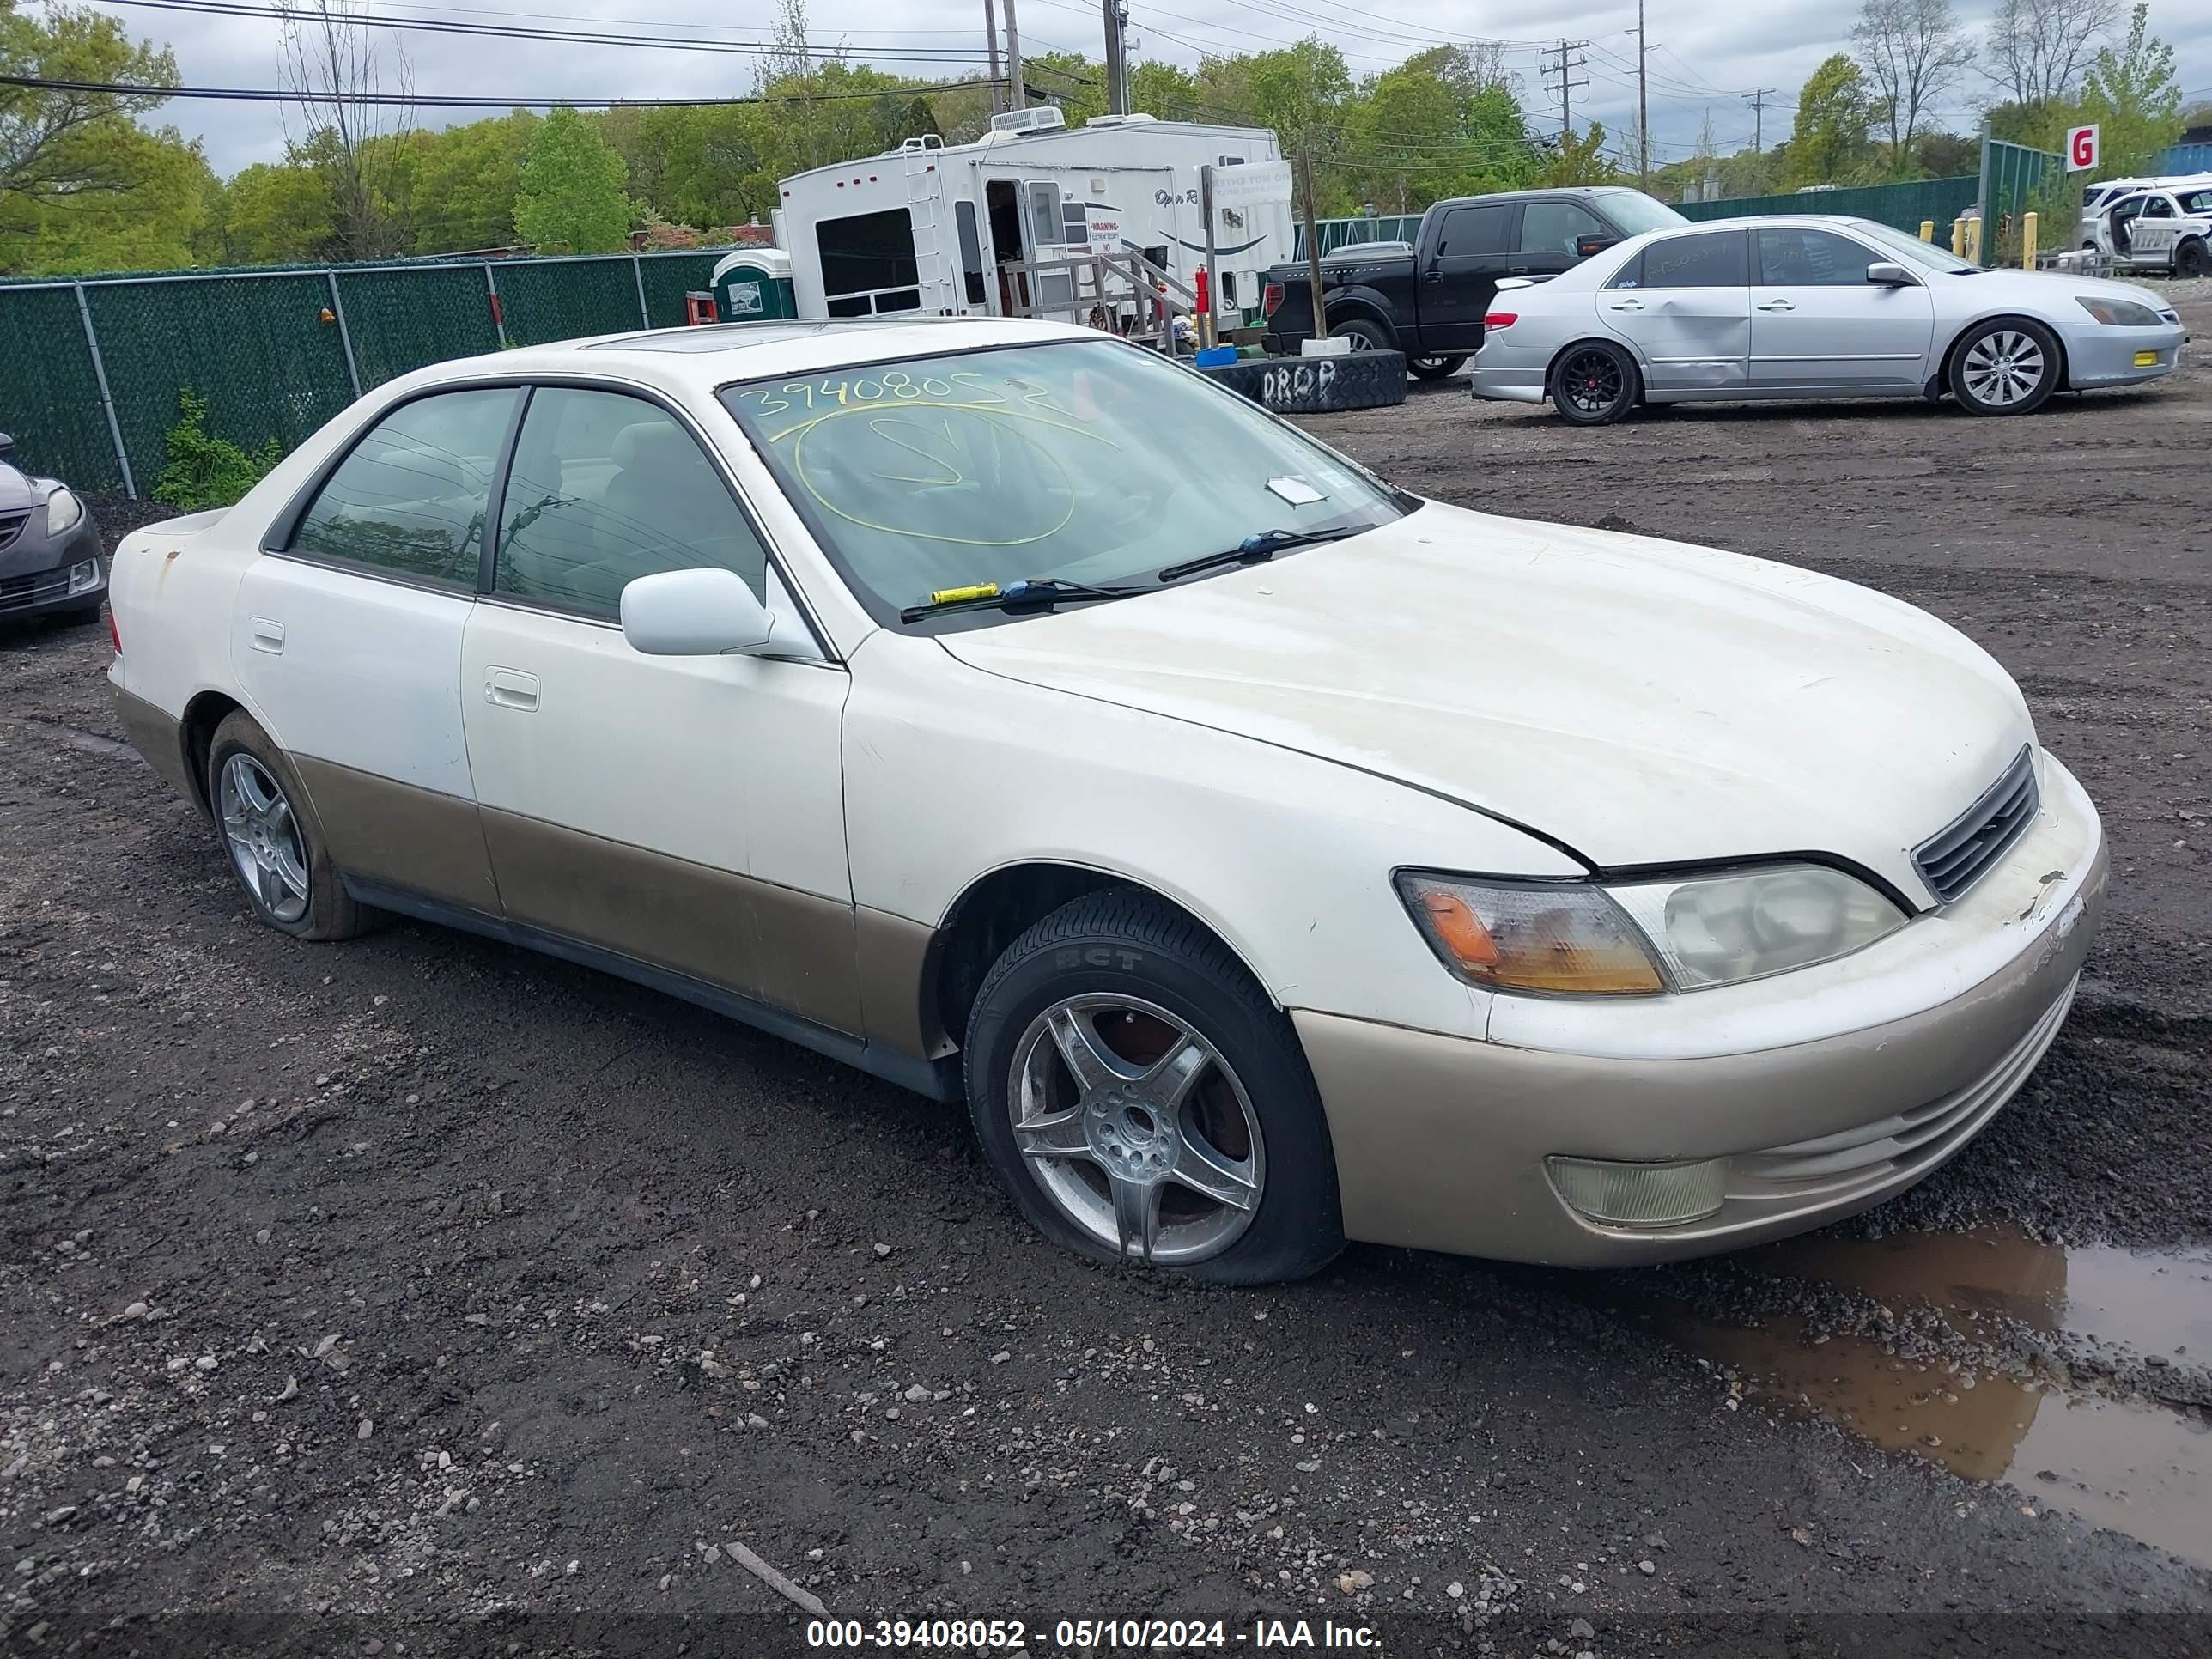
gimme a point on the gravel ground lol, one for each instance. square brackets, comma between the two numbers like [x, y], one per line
[415, 1294]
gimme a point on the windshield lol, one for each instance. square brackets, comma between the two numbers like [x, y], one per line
[1636, 213]
[1077, 461]
[1920, 252]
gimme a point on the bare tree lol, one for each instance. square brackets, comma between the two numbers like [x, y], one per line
[332, 61]
[1912, 51]
[2037, 49]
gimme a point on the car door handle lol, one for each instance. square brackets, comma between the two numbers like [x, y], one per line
[264, 635]
[1628, 305]
[1776, 305]
[510, 688]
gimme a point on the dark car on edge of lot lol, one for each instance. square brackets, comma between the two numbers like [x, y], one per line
[1429, 302]
[49, 547]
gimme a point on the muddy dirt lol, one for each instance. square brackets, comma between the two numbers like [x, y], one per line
[420, 1293]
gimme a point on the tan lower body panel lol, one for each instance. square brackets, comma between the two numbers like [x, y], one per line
[892, 955]
[160, 737]
[783, 947]
[395, 833]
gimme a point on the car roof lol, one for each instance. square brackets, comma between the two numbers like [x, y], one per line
[696, 361]
[1546, 192]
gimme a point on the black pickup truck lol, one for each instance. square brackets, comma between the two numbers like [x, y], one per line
[1428, 300]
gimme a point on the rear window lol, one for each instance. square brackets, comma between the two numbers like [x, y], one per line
[868, 263]
[1716, 259]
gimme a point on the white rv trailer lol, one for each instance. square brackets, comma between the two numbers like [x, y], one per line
[928, 227]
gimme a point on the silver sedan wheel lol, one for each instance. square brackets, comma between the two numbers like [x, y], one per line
[2002, 367]
[266, 844]
[1137, 1129]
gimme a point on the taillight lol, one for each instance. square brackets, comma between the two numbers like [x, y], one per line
[1272, 301]
[114, 633]
[1500, 319]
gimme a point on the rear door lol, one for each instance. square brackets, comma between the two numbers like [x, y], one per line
[1684, 301]
[1817, 323]
[347, 642]
[1473, 249]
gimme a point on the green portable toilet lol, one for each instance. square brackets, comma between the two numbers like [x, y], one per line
[753, 283]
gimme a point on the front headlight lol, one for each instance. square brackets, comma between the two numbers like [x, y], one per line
[1684, 933]
[1722, 929]
[2118, 313]
[63, 511]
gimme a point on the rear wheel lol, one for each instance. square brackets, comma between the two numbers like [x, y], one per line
[1364, 333]
[1142, 1100]
[1594, 384]
[2191, 260]
[1433, 369]
[2006, 366]
[275, 848]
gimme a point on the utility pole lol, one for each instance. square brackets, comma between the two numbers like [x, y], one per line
[1563, 69]
[1757, 98]
[1643, 104]
[1313, 245]
[1117, 82]
[1019, 93]
[991, 39]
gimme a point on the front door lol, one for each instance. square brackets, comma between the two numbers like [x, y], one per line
[349, 643]
[1817, 322]
[2151, 239]
[1685, 303]
[682, 812]
[1475, 248]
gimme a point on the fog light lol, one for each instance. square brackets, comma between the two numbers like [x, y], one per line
[84, 577]
[1640, 1194]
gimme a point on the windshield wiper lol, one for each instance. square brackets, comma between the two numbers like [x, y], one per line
[1258, 548]
[1044, 591]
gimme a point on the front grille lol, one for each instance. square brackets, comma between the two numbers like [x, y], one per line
[1954, 858]
[11, 526]
[16, 592]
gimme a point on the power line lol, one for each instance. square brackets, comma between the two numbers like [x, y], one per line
[436, 101]
[1567, 86]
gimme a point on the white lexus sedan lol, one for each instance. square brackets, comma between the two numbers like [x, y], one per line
[1267, 856]
[1807, 307]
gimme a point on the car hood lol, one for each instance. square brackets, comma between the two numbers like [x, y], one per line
[1642, 702]
[17, 491]
[2053, 290]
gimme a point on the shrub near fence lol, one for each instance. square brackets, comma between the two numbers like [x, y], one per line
[1903, 206]
[256, 345]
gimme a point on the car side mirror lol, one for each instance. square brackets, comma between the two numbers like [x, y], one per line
[693, 613]
[7, 446]
[1594, 243]
[1888, 275]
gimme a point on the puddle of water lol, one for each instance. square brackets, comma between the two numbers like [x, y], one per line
[2153, 1301]
[2135, 1467]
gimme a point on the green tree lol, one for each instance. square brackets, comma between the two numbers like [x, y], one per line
[84, 185]
[570, 197]
[1579, 161]
[2132, 95]
[465, 181]
[1830, 142]
[278, 213]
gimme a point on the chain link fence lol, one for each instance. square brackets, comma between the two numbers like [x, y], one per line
[1902, 207]
[90, 371]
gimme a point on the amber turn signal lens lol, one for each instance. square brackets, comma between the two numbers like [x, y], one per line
[1564, 938]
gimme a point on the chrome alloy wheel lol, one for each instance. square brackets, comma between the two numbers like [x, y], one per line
[1136, 1128]
[2002, 367]
[264, 838]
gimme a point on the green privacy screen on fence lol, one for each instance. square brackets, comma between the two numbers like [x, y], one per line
[1904, 206]
[277, 353]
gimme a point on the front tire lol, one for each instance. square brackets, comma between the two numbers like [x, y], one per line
[1141, 1099]
[1433, 369]
[1594, 384]
[274, 845]
[2005, 368]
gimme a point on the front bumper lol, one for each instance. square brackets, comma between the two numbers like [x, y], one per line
[2110, 356]
[1440, 1141]
[35, 570]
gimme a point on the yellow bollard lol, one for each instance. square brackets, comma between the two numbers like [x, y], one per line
[1927, 230]
[2027, 242]
[1958, 239]
[1973, 254]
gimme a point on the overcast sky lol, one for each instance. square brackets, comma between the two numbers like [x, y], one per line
[1706, 55]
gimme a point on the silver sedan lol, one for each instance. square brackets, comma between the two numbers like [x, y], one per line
[1806, 307]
